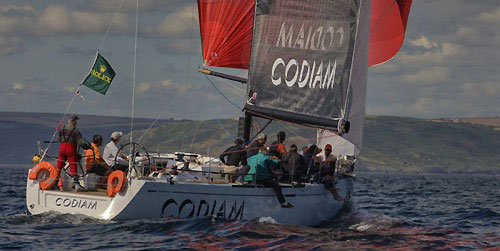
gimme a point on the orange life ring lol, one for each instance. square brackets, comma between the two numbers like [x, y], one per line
[44, 165]
[120, 177]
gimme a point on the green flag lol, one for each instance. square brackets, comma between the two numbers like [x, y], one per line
[101, 75]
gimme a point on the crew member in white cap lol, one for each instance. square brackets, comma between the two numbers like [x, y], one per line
[111, 150]
[254, 147]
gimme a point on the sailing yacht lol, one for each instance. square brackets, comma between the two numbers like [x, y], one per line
[307, 64]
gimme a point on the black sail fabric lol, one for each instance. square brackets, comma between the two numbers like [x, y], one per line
[301, 59]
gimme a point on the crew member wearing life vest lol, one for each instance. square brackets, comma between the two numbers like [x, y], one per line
[70, 137]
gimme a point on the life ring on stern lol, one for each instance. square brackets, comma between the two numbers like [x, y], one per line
[119, 177]
[49, 182]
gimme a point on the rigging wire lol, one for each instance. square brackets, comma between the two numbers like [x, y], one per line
[229, 135]
[77, 92]
[156, 119]
[133, 75]
[194, 135]
[233, 88]
[225, 81]
[109, 26]
[222, 94]
[187, 73]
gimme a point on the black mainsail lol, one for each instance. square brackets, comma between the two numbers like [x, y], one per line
[301, 60]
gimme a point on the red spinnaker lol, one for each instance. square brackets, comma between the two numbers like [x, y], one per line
[226, 32]
[387, 29]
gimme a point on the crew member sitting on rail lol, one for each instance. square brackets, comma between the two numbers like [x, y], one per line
[253, 148]
[311, 160]
[111, 151]
[70, 137]
[236, 156]
[327, 172]
[261, 166]
[94, 163]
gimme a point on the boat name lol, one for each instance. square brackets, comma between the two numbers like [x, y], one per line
[76, 203]
[307, 73]
[304, 74]
[188, 208]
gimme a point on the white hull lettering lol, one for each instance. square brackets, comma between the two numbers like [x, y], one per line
[76, 203]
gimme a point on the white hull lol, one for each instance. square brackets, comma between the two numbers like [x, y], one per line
[152, 198]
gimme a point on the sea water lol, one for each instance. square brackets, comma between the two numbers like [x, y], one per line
[388, 211]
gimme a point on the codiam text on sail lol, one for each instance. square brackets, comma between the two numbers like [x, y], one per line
[308, 73]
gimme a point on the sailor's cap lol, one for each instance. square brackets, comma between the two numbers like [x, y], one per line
[116, 135]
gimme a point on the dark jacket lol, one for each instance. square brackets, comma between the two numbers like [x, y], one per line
[253, 148]
[72, 135]
[235, 156]
[293, 162]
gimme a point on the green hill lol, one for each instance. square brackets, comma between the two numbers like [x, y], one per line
[390, 143]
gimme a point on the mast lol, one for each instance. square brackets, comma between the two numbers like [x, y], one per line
[247, 128]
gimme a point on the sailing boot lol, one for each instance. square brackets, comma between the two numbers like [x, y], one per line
[77, 186]
[336, 195]
[287, 205]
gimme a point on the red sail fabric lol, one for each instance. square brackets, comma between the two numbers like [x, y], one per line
[387, 29]
[226, 32]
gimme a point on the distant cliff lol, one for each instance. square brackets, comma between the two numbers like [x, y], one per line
[390, 143]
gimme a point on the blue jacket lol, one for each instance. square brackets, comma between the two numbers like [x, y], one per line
[260, 164]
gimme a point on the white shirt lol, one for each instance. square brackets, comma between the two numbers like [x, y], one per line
[321, 158]
[110, 151]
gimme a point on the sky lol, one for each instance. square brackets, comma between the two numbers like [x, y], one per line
[447, 67]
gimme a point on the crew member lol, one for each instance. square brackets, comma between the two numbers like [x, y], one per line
[261, 166]
[278, 148]
[237, 157]
[311, 160]
[327, 167]
[254, 147]
[94, 163]
[235, 154]
[293, 164]
[70, 137]
[111, 153]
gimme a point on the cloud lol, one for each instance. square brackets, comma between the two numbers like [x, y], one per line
[130, 5]
[490, 17]
[177, 46]
[18, 86]
[482, 90]
[56, 20]
[154, 86]
[69, 49]
[11, 45]
[179, 23]
[426, 76]
[423, 42]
